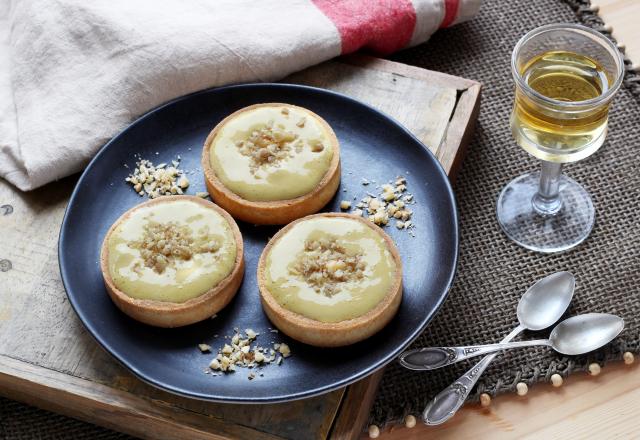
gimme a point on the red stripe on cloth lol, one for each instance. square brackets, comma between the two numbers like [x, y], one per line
[450, 12]
[382, 26]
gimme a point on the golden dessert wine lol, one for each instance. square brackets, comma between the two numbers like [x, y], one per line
[566, 76]
[562, 133]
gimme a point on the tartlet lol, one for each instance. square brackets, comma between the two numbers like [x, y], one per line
[330, 280]
[172, 261]
[272, 163]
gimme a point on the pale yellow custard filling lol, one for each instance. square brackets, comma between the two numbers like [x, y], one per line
[271, 153]
[330, 269]
[171, 252]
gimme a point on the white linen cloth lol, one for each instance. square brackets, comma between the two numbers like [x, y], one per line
[73, 73]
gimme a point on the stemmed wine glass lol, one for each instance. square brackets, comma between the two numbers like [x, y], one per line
[566, 76]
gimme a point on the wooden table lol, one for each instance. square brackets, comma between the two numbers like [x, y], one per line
[47, 359]
[606, 406]
[622, 16]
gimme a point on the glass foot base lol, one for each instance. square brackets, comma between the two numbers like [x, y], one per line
[564, 230]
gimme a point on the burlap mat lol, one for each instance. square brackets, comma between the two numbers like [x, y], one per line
[493, 272]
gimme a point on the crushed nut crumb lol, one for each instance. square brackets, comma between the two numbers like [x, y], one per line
[268, 146]
[324, 264]
[390, 203]
[316, 147]
[156, 181]
[164, 243]
[284, 350]
[244, 352]
[345, 204]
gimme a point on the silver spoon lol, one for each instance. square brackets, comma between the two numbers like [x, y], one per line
[540, 306]
[576, 335]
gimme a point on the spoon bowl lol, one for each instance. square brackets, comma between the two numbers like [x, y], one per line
[546, 301]
[584, 333]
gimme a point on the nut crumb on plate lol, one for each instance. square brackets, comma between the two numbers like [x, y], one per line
[157, 180]
[243, 351]
[390, 203]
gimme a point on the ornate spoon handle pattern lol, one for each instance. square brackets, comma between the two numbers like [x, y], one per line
[449, 401]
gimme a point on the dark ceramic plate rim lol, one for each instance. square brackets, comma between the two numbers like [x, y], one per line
[390, 356]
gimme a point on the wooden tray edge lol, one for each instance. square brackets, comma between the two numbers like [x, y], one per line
[94, 403]
[359, 397]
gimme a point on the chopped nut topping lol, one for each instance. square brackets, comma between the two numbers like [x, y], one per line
[345, 204]
[324, 264]
[267, 146]
[301, 122]
[164, 243]
[284, 111]
[156, 181]
[241, 353]
[202, 194]
[284, 350]
[204, 348]
[389, 204]
[183, 182]
[389, 196]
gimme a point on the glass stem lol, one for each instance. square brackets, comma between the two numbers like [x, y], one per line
[547, 201]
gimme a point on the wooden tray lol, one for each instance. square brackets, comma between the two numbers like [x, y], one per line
[47, 359]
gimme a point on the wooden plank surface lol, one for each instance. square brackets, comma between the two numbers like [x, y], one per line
[49, 360]
[623, 16]
[585, 407]
[606, 406]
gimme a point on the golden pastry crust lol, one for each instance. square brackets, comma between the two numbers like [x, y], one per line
[332, 334]
[168, 314]
[277, 212]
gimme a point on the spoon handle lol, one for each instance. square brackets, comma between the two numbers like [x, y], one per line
[431, 358]
[449, 400]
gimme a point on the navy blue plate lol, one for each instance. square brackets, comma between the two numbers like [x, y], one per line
[373, 146]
